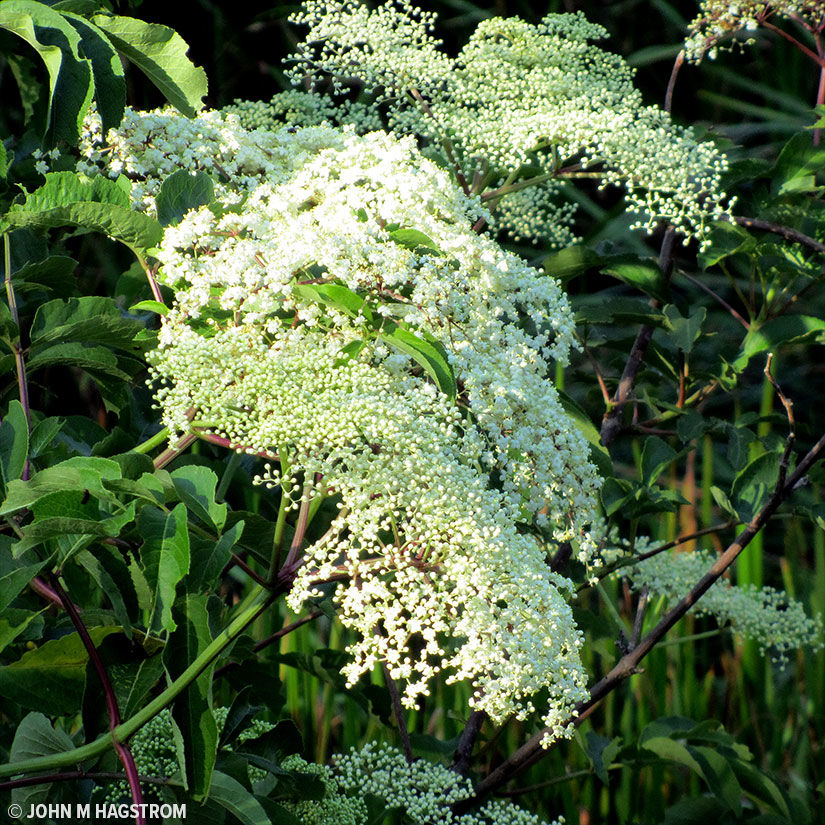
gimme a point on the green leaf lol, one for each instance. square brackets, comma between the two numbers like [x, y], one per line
[685, 331]
[337, 296]
[151, 306]
[52, 677]
[787, 329]
[51, 274]
[9, 632]
[196, 487]
[726, 239]
[720, 777]
[14, 442]
[656, 456]
[426, 351]
[208, 566]
[147, 677]
[63, 527]
[192, 710]
[15, 574]
[754, 484]
[181, 192]
[413, 239]
[571, 261]
[101, 205]
[90, 319]
[644, 275]
[230, 794]
[77, 473]
[165, 556]
[601, 752]
[160, 53]
[4, 161]
[35, 737]
[107, 71]
[673, 751]
[70, 76]
[598, 452]
[93, 566]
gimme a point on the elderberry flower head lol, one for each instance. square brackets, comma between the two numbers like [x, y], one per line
[518, 96]
[770, 617]
[335, 310]
[424, 791]
[719, 19]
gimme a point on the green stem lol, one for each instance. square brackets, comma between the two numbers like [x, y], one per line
[692, 637]
[250, 609]
[150, 443]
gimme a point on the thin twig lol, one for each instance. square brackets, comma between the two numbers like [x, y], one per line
[778, 229]
[677, 64]
[719, 299]
[64, 776]
[278, 634]
[611, 422]
[398, 710]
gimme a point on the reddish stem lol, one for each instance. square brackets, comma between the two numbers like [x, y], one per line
[122, 749]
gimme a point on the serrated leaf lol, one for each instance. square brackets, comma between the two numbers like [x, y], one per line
[231, 795]
[70, 76]
[684, 331]
[52, 677]
[66, 199]
[208, 566]
[656, 456]
[97, 361]
[9, 632]
[107, 585]
[787, 329]
[35, 736]
[754, 484]
[181, 192]
[107, 70]
[68, 527]
[165, 556]
[673, 751]
[77, 473]
[726, 239]
[160, 53]
[720, 777]
[196, 487]
[192, 710]
[15, 574]
[644, 275]
[51, 274]
[337, 296]
[426, 351]
[148, 674]
[601, 752]
[14, 442]
[90, 319]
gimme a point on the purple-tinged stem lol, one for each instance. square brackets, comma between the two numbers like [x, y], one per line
[123, 751]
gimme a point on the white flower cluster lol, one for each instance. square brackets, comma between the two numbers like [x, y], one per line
[770, 617]
[431, 486]
[424, 791]
[719, 19]
[518, 96]
[335, 808]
